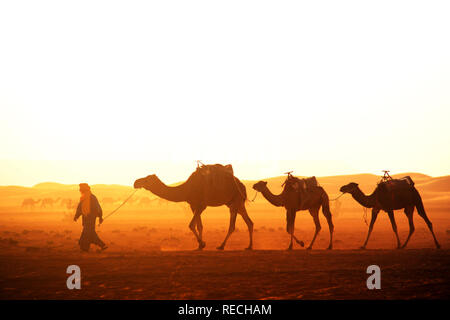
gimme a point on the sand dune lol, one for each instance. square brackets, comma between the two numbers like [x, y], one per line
[149, 239]
[440, 184]
[12, 196]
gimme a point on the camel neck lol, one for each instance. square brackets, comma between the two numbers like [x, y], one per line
[175, 194]
[362, 199]
[276, 200]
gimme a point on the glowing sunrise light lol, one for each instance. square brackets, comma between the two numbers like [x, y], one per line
[104, 91]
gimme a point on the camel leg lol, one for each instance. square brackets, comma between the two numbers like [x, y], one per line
[375, 212]
[394, 227]
[327, 213]
[409, 214]
[421, 212]
[193, 224]
[201, 244]
[290, 226]
[249, 224]
[315, 214]
[300, 242]
[233, 214]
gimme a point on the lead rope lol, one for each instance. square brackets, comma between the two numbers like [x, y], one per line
[125, 201]
[337, 197]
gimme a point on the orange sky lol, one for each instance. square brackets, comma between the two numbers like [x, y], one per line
[103, 92]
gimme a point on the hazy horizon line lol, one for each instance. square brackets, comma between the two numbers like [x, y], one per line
[266, 178]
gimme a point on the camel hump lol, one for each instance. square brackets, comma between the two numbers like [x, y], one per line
[408, 180]
[208, 169]
[220, 179]
[229, 168]
[307, 183]
[311, 182]
[304, 183]
[396, 184]
[216, 174]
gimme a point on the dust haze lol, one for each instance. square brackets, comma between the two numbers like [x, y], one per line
[151, 249]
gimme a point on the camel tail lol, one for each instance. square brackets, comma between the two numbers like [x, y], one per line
[325, 204]
[241, 188]
[418, 202]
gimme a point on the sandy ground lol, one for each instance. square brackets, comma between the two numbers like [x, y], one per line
[152, 257]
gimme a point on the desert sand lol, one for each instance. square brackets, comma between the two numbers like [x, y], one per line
[151, 250]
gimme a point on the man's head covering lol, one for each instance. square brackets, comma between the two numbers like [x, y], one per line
[84, 187]
[85, 198]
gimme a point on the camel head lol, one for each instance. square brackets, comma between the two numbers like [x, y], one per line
[259, 186]
[143, 182]
[349, 188]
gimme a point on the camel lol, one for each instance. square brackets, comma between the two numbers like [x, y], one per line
[209, 185]
[144, 201]
[68, 203]
[390, 196]
[108, 201]
[162, 202]
[30, 203]
[294, 200]
[49, 202]
[132, 201]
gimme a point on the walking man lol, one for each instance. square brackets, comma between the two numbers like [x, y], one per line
[90, 209]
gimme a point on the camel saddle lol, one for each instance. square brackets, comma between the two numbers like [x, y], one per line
[210, 169]
[303, 187]
[216, 175]
[395, 184]
[306, 184]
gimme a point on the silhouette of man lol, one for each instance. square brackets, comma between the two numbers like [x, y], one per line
[90, 209]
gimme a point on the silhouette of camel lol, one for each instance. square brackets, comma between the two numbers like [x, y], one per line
[210, 185]
[145, 201]
[48, 202]
[291, 199]
[68, 203]
[162, 202]
[394, 195]
[132, 201]
[29, 203]
[108, 201]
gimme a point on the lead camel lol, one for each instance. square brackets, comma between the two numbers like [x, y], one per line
[210, 185]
